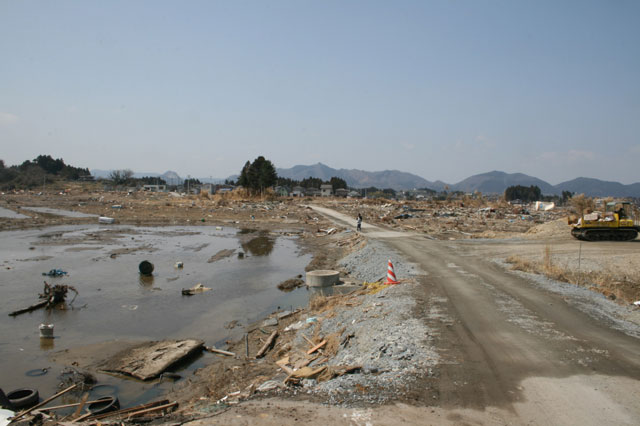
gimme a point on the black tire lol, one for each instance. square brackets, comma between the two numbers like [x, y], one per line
[23, 397]
[104, 405]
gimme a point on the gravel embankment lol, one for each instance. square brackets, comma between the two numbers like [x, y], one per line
[392, 346]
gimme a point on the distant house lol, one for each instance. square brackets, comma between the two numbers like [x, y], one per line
[282, 191]
[155, 188]
[354, 194]
[298, 191]
[342, 192]
[326, 190]
[312, 192]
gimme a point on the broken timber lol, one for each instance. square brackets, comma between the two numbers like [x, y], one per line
[316, 347]
[270, 341]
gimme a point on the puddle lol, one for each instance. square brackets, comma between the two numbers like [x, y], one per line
[116, 302]
[10, 214]
[58, 212]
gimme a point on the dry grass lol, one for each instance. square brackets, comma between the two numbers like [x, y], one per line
[622, 288]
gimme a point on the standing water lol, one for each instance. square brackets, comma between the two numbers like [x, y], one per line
[116, 303]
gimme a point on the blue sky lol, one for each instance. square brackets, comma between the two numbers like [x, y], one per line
[442, 89]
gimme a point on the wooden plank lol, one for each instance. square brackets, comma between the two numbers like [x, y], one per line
[43, 403]
[219, 351]
[263, 350]
[316, 347]
[149, 360]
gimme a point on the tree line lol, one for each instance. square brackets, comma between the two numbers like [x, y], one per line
[533, 193]
[33, 173]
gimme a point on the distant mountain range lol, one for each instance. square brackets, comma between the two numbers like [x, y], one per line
[171, 177]
[494, 182]
[359, 178]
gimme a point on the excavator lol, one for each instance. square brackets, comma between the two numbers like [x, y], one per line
[616, 224]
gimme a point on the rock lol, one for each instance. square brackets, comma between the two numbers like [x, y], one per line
[270, 322]
[269, 385]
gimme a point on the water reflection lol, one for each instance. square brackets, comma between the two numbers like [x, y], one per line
[146, 280]
[261, 245]
[47, 344]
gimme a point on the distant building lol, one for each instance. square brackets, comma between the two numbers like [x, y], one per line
[354, 194]
[342, 192]
[326, 190]
[312, 192]
[298, 191]
[155, 188]
[208, 187]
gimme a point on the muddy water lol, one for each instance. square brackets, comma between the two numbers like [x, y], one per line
[116, 303]
[58, 212]
[10, 214]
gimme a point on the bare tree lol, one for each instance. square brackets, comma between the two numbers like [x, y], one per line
[120, 177]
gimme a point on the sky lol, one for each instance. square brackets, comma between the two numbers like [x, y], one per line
[442, 89]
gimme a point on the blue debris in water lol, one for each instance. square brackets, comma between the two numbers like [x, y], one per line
[55, 273]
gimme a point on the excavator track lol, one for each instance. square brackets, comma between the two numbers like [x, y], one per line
[605, 234]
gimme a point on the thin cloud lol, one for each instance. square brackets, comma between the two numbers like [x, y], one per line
[408, 146]
[6, 118]
[572, 156]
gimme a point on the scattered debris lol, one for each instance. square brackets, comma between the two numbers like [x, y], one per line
[198, 288]
[52, 296]
[221, 255]
[290, 284]
[55, 273]
[106, 220]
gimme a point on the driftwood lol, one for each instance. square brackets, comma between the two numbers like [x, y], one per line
[124, 410]
[43, 403]
[60, 407]
[270, 341]
[52, 295]
[33, 307]
[150, 410]
[219, 351]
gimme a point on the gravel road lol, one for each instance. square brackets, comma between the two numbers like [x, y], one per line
[509, 345]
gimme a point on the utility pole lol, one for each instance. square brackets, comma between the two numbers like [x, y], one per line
[188, 182]
[44, 181]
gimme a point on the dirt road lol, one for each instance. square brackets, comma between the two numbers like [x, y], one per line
[513, 353]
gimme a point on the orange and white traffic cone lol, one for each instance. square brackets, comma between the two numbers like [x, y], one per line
[391, 276]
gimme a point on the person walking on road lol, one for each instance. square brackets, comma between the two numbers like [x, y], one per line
[359, 223]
